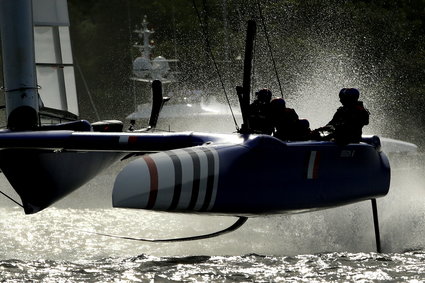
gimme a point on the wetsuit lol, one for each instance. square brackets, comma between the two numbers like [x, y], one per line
[347, 123]
[287, 125]
[259, 118]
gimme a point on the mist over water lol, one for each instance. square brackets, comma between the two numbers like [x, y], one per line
[318, 49]
[63, 231]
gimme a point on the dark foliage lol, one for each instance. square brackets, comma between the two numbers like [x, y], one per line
[380, 45]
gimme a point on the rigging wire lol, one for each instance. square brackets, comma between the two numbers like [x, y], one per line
[253, 80]
[204, 33]
[133, 83]
[269, 45]
[11, 199]
[87, 89]
[242, 28]
[175, 39]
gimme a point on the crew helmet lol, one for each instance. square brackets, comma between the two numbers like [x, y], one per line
[277, 107]
[278, 103]
[349, 95]
[264, 95]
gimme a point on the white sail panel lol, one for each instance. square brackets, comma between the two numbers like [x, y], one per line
[50, 13]
[44, 45]
[53, 56]
[72, 101]
[50, 89]
[65, 45]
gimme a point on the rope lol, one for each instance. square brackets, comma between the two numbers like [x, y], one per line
[269, 45]
[253, 80]
[204, 33]
[87, 89]
[12, 199]
[20, 88]
[133, 83]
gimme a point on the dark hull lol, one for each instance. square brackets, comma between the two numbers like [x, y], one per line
[196, 172]
[259, 176]
[41, 177]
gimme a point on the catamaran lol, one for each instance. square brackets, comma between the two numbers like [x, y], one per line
[46, 152]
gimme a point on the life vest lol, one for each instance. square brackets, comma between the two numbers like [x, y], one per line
[259, 118]
[348, 122]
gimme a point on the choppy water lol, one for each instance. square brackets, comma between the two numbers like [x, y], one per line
[331, 245]
[359, 267]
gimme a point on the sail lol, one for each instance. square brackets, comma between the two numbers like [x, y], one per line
[54, 63]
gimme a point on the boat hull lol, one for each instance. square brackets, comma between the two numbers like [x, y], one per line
[259, 176]
[42, 177]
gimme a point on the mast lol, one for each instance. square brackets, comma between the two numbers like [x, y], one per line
[146, 68]
[142, 65]
[145, 33]
[20, 80]
[245, 90]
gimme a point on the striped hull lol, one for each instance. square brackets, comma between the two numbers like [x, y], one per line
[259, 176]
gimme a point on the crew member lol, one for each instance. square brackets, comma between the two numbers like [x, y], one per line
[259, 113]
[348, 121]
[287, 126]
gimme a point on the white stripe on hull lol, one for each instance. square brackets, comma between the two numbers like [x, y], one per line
[186, 179]
[165, 180]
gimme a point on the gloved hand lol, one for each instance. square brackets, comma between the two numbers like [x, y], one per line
[327, 128]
